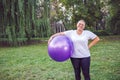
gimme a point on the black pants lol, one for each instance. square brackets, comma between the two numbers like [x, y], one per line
[81, 64]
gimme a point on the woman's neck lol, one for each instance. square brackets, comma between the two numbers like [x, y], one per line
[79, 32]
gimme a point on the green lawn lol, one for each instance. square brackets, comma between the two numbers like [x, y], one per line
[33, 63]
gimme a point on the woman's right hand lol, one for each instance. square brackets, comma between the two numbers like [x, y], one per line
[61, 33]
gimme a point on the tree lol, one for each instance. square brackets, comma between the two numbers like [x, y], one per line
[114, 21]
[19, 22]
[89, 10]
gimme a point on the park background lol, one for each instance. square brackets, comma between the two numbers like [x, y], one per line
[26, 25]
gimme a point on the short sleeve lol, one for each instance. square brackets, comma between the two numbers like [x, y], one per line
[68, 33]
[91, 35]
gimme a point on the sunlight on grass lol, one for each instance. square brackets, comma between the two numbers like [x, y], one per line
[33, 63]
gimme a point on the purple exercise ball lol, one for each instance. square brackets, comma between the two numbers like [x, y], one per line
[60, 48]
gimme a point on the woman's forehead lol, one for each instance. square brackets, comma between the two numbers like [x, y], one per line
[81, 22]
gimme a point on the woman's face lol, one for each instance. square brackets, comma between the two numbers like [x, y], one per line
[80, 25]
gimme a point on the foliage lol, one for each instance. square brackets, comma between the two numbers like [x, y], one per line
[101, 33]
[89, 10]
[19, 21]
[98, 14]
[114, 21]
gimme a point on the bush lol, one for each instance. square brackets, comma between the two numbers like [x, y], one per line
[101, 33]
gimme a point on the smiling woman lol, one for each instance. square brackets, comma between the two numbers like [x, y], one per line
[80, 58]
[80, 26]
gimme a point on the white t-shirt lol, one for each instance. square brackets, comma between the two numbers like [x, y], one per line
[80, 42]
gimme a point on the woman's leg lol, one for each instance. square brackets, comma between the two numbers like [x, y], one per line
[76, 66]
[85, 64]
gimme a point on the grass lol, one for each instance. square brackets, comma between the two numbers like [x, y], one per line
[105, 64]
[33, 63]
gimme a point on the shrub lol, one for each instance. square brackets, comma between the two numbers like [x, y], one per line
[101, 33]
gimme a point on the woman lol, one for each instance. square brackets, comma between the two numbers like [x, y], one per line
[80, 58]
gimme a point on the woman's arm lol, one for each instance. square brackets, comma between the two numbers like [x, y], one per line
[94, 41]
[61, 33]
